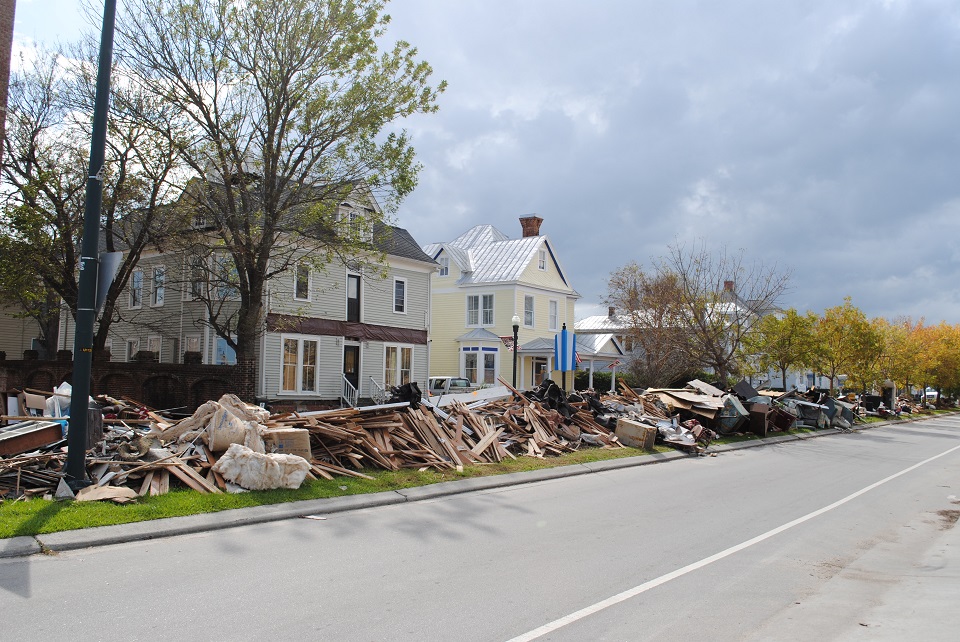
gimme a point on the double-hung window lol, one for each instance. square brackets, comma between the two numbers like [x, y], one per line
[528, 311]
[159, 285]
[225, 355]
[400, 296]
[479, 364]
[153, 345]
[542, 260]
[444, 262]
[301, 283]
[480, 309]
[554, 316]
[133, 347]
[198, 271]
[227, 277]
[397, 365]
[136, 289]
[299, 363]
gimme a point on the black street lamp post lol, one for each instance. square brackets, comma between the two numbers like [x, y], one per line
[89, 263]
[516, 347]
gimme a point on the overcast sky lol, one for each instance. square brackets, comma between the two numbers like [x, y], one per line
[822, 136]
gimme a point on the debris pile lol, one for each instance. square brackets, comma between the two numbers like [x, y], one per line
[229, 445]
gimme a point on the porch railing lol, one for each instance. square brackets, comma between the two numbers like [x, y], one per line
[350, 393]
[377, 392]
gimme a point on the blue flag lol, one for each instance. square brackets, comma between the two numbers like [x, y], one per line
[564, 350]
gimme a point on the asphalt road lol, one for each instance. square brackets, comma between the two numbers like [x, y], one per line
[843, 537]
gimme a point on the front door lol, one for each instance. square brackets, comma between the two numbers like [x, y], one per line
[539, 370]
[351, 364]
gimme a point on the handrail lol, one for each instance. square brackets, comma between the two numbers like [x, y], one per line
[377, 392]
[350, 394]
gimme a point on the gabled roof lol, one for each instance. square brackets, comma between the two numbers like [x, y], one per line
[591, 344]
[478, 334]
[484, 254]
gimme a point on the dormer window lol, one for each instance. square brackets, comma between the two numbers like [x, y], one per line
[351, 218]
[444, 262]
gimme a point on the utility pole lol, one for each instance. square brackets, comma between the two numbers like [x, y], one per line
[89, 262]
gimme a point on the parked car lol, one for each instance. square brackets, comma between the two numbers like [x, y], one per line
[450, 385]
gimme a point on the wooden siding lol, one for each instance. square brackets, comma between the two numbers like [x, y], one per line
[549, 278]
[16, 333]
[330, 367]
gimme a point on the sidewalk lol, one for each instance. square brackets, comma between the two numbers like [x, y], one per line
[167, 527]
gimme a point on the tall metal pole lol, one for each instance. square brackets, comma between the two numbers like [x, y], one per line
[89, 261]
[516, 347]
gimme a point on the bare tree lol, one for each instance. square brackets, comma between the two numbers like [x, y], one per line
[721, 297]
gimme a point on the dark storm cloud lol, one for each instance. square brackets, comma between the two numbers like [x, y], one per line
[820, 135]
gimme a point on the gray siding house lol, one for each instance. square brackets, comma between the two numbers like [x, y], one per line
[338, 334]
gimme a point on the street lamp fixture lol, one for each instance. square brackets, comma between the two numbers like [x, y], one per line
[516, 347]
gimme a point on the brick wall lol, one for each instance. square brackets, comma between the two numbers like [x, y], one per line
[158, 385]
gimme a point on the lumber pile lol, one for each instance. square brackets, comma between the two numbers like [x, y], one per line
[150, 453]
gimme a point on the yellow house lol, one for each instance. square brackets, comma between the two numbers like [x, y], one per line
[488, 283]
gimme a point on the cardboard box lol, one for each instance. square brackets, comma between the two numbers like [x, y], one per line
[635, 434]
[288, 441]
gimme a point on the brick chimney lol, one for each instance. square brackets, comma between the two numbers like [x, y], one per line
[728, 286]
[531, 225]
[610, 312]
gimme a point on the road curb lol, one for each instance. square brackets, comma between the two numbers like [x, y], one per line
[170, 526]
[19, 546]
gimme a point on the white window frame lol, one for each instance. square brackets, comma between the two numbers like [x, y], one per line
[300, 340]
[402, 302]
[485, 315]
[542, 260]
[351, 217]
[135, 301]
[133, 347]
[220, 341]
[529, 311]
[158, 286]
[190, 338]
[396, 377]
[195, 276]
[155, 341]
[479, 376]
[224, 270]
[296, 281]
[553, 316]
[444, 262]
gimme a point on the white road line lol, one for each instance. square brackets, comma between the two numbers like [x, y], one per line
[663, 579]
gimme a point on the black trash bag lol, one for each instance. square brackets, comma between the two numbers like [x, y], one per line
[409, 392]
[551, 395]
